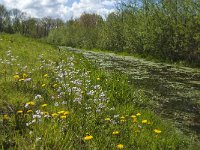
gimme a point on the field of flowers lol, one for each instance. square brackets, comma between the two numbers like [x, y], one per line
[54, 99]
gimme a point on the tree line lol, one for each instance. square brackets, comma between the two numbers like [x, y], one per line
[167, 30]
[16, 21]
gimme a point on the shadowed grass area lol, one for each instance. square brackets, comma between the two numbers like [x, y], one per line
[52, 98]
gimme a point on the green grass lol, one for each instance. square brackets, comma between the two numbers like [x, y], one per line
[81, 101]
[177, 64]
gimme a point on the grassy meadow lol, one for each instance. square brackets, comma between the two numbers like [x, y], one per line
[54, 99]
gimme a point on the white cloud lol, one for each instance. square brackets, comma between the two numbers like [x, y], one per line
[93, 6]
[64, 9]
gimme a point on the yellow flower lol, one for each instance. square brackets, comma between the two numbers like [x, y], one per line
[25, 75]
[46, 75]
[45, 113]
[66, 113]
[19, 111]
[30, 103]
[21, 79]
[122, 120]
[122, 117]
[157, 131]
[138, 114]
[88, 137]
[61, 112]
[16, 77]
[63, 117]
[120, 146]
[115, 132]
[29, 111]
[133, 116]
[107, 119]
[43, 85]
[54, 115]
[44, 105]
[98, 79]
[144, 121]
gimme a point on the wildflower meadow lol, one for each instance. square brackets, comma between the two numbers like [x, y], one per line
[54, 99]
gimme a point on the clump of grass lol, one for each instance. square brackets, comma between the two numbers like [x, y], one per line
[59, 99]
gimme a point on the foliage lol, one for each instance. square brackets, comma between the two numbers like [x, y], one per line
[15, 21]
[82, 32]
[165, 30]
[161, 29]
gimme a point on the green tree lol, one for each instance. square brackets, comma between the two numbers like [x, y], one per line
[5, 23]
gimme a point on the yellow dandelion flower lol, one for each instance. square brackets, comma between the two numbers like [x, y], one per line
[45, 113]
[133, 116]
[19, 111]
[88, 137]
[61, 112]
[122, 117]
[54, 115]
[30, 103]
[138, 114]
[16, 77]
[44, 105]
[144, 121]
[29, 111]
[120, 146]
[24, 75]
[43, 85]
[115, 132]
[122, 120]
[107, 119]
[157, 131]
[63, 117]
[46, 75]
[66, 113]
[21, 80]
[98, 79]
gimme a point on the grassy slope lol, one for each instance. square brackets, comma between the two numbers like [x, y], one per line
[81, 100]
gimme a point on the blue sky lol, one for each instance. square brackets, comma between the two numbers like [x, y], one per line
[64, 9]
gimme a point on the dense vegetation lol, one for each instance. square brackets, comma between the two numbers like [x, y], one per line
[160, 29]
[59, 99]
[16, 21]
[165, 29]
